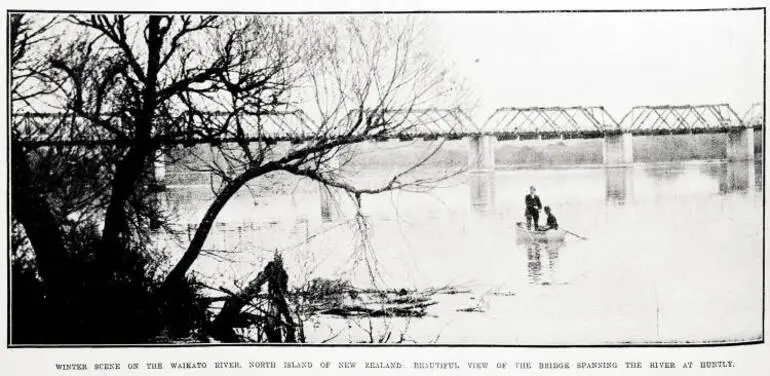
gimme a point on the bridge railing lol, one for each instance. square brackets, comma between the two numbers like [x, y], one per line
[681, 119]
[68, 128]
[218, 127]
[405, 124]
[754, 116]
[546, 122]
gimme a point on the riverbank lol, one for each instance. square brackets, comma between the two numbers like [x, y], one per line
[395, 156]
[548, 153]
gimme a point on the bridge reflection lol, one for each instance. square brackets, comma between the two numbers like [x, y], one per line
[618, 185]
[482, 189]
[330, 206]
[736, 177]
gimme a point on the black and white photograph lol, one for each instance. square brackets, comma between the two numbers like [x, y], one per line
[501, 178]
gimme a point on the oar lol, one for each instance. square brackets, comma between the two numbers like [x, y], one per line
[520, 224]
[530, 236]
[576, 235]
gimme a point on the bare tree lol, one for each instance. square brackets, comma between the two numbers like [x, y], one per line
[128, 87]
[29, 204]
[164, 87]
[125, 86]
[363, 80]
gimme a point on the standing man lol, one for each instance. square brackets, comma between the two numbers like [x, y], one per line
[533, 206]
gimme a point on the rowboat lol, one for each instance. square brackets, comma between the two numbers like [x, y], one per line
[522, 233]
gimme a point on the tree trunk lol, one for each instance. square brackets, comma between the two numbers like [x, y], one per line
[30, 206]
[204, 227]
[225, 320]
[278, 284]
[129, 169]
[127, 174]
[275, 276]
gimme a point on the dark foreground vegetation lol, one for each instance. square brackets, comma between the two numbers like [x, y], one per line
[98, 101]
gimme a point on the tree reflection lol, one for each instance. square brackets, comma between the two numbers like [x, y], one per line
[668, 172]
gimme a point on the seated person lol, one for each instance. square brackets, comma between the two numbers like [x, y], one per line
[550, 222]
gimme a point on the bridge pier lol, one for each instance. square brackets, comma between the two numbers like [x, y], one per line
[481, 152]
[740, 144]
[618, 149]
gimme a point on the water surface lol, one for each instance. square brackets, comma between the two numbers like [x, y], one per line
[674, 253]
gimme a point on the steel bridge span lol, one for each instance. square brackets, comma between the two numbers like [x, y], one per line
[525, 123]
[504, 124]
[508, 123]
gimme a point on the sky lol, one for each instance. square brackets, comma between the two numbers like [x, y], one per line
[616, 60]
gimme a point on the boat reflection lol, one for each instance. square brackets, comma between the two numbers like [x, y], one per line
[542, 261]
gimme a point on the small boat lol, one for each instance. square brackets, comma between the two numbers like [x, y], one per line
[522, 233]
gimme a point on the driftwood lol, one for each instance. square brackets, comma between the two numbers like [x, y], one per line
[276, 323]
[415, 310]
[350, 302]
[274, 320]
[471, 309]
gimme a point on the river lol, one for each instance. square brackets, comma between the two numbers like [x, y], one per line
[674, 253]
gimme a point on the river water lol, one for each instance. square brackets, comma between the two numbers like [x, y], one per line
[674, 253]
